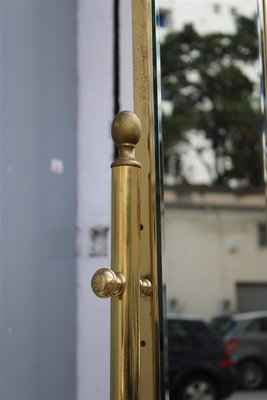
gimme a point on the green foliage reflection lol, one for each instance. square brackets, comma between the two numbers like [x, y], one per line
[208, 80]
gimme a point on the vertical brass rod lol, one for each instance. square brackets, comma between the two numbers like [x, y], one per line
[144, 108]
[125, 309]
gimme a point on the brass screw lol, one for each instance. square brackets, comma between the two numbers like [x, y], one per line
[145, 287]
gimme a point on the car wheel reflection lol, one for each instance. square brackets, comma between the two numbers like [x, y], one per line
[197, 388]
[250, 374]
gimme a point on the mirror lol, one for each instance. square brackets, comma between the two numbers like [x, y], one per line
[215, 207]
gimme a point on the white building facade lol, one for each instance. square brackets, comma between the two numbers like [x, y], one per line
[216, 252]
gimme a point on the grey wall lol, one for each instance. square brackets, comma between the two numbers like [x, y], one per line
[38, 58]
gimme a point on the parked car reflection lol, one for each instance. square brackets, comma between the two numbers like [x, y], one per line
[245, 337]
[199, 365]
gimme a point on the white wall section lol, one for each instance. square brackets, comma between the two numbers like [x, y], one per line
[95, 105]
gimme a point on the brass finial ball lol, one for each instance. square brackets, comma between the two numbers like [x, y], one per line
[126, 128]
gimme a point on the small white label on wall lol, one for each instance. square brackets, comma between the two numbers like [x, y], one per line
[57, 166]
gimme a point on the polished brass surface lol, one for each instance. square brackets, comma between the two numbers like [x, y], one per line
[123, 281]
[145, 287]
[125, 243]
[126, 133]
[125, 315]
[145, 150]
[106, 283]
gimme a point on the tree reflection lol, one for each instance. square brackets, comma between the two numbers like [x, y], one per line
[211, 83]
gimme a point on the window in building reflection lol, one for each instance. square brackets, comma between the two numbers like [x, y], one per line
[262, 234]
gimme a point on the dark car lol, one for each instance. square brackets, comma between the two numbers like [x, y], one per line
[199, 367]
[245, 336]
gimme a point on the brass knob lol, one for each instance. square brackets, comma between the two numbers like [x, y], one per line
[126, 133]
[106, 283]
[145, 287]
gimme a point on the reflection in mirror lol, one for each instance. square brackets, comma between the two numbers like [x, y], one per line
[262, 16]
[215, 220]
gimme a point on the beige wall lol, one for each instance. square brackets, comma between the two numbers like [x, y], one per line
[206, 252]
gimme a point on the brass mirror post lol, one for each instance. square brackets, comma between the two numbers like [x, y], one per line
[133, 280]
[144, 108]
[123, 282]
[125, 258]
